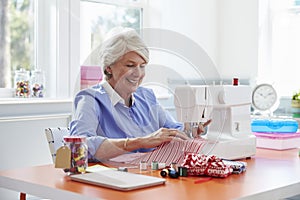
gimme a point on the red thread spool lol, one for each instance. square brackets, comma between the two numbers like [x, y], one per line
[235, 81]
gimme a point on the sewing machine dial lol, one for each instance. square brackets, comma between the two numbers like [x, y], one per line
[264, 97]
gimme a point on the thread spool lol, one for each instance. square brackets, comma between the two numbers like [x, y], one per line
[169, 172]
[182, 171]
[174, 166]
[154, 165]
[164, 172]
[122, 169]
[143, 165]
[235, 82]
[161, 165]
[173, 173]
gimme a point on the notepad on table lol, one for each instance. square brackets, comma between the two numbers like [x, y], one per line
[118, 180]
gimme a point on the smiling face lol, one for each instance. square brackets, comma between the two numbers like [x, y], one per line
[127, 74]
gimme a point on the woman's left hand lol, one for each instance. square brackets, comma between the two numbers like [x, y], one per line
[202, 128]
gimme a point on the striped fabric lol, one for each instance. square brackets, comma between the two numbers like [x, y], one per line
[171, 152]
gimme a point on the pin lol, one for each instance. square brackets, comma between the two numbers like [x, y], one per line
[202, 180]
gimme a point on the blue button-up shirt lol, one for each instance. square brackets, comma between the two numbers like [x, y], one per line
[100, 113]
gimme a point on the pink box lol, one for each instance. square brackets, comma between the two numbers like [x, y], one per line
[278, 141]
[90, 75]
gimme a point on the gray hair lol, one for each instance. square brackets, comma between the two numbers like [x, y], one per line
[120, 42]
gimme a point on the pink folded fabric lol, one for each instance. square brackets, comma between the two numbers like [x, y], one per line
[172, 152]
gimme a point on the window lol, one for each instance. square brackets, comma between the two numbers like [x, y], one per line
[97, 18]
[47, 34]
[30, 41]
[17, 39]
[280, 45]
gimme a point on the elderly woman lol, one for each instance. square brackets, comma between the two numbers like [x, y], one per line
[118, 115]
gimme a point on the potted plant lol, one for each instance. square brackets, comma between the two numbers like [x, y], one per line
[296, 104]
[296, 100]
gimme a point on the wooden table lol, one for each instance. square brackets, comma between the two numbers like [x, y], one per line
[270, 175]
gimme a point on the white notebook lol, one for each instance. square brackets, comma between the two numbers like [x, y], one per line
[118, 180]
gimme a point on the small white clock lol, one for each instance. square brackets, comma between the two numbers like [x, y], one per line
[264, 97]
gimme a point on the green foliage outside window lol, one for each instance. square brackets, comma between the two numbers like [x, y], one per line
[18, 42]
[21, 34]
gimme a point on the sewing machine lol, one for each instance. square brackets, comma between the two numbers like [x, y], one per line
[229, 134]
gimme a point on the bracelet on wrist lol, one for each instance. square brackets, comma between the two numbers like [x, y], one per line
[125, 143]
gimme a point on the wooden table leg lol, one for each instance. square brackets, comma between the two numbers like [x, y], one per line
[22, 196]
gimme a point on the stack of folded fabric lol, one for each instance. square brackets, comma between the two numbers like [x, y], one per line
[199, 165]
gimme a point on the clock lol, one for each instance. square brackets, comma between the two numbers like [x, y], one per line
[264, 97]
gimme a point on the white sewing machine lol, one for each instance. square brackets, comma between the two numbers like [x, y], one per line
[229, 134]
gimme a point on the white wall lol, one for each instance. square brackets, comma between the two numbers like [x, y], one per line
[22, 127]
[238, 38]
[226, 29]
[194, 19]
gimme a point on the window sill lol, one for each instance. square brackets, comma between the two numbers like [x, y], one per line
[16, 107]
[32, 100]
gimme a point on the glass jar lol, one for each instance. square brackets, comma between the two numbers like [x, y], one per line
[79, 154]
[37, 83]
[21, 83]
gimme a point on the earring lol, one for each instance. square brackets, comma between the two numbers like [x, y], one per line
[108, 70]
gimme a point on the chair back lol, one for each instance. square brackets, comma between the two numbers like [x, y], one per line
[55, 138]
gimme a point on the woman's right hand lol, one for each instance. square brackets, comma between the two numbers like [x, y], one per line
[161, 136]
[113, 147]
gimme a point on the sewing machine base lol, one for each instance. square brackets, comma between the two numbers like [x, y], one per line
[231, 149]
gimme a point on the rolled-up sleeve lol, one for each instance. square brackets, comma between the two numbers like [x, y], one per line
[85, 120]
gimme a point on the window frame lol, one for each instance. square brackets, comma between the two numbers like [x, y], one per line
[60, 59]
[65, 76]
[57, 48]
